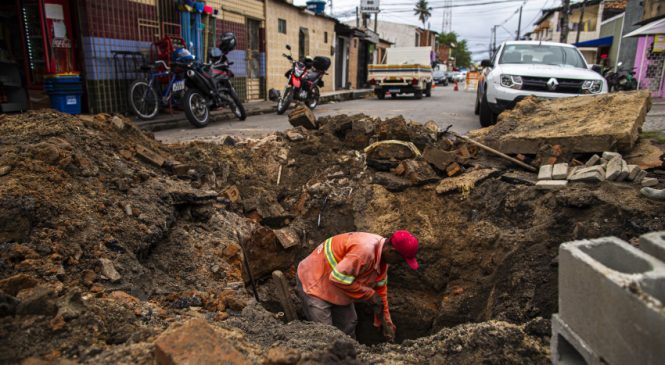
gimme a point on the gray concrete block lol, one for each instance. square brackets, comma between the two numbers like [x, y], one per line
[611, 155]
[654, 244]
[569, 348]
[590, 176]
[611, 295]
[649, 181]
[560, 171]
[633, 171]
[592, 161]
[572, 171]
[551, 184]
[624, 171]
[613, 169]
[545, 172]
[640, 176]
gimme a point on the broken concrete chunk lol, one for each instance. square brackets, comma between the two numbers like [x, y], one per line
[589, 176]
[545, 172]
[287, 237]
[610, 155]
[613, 168]
[150, 156]
[466, 181]
[592, 161]
[419, 172]
[649, 181]
[294, 136]
[196, 342]
[453, 169]
[37, 300]
[303, 116]
[117, 123]
[560, 171]
[633, 171]
[551, 184]
[438, 157]
[624, 171]
[640, 176]
[573, 171]
[109, 271]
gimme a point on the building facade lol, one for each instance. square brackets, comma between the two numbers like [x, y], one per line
[306, 32]
[106, 41]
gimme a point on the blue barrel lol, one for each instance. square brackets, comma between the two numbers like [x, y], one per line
[316, 6]
[65, 93]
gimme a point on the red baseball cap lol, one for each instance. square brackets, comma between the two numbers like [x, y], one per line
[407, 246]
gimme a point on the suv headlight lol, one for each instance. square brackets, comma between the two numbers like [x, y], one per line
[592, 87]
[511, 81]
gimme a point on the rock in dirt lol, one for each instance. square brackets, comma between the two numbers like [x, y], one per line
[108, 270]
[439, 158]
[150, 156]
[196, 342]
[579, 125]
[649, 182]
[419, 172]
[303, 116]
[37, 300]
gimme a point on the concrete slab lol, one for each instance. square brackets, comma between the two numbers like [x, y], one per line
[592, 161]
[611, 295]
[579, 125]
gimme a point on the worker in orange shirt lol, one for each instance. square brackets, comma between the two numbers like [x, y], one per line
[353, 267]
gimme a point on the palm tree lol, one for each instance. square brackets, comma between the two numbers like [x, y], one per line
[423, 10]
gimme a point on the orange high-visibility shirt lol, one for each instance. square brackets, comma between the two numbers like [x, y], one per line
[346, 268]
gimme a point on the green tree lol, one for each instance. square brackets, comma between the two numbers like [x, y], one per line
[423, 10]
[460, 49]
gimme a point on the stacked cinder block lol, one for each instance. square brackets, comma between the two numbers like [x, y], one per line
[611, 302]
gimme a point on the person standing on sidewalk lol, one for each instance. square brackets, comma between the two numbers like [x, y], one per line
[353, 267]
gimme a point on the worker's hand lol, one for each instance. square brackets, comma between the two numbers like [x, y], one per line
[377, 304]
[389, 329]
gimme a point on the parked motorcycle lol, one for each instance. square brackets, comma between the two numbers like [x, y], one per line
[304, 79]
[621, 80]
[209, 86]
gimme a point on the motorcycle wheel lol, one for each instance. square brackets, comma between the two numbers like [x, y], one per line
[237, 107]
[285, 100]
[143, 100]
[314, 98]
[196, 108]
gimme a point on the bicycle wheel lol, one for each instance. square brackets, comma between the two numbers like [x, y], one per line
[143, 100]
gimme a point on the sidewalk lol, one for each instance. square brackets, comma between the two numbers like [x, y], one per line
[166, 121]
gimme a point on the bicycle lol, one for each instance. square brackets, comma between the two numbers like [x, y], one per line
[147, 95]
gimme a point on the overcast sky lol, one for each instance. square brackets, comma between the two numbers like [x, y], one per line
[472, 23]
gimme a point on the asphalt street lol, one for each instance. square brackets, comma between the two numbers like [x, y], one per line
[445, 107]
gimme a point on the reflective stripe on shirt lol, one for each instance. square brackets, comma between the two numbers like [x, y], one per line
[338, 276]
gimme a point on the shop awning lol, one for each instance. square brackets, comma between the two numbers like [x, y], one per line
[655, 27]
[600, 42]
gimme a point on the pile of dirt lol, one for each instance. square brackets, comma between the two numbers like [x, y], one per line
[108, 238]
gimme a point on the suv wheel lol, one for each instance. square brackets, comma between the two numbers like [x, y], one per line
[485, 114]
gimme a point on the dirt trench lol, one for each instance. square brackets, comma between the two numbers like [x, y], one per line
[104, 247]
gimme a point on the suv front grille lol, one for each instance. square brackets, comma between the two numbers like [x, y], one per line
[566, 86]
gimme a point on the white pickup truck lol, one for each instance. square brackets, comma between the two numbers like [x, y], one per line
[542, 69]
[408, 70]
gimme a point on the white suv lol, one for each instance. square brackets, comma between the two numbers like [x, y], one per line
[543, 69]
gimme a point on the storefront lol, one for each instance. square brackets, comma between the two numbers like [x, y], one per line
[650, 56]
[45, 47]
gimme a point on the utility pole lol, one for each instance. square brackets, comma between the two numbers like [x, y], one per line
[519, 25]
[564, 21]
[357, 17]
[493, 41]
[579, 24]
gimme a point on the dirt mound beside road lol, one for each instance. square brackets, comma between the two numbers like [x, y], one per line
[108, 238]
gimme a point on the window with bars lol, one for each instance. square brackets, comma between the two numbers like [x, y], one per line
[281, 26]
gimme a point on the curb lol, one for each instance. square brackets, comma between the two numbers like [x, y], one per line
[180, 121]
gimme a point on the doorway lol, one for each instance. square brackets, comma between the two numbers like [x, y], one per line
[253, 59]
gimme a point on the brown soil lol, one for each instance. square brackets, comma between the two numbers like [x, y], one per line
[77, 191]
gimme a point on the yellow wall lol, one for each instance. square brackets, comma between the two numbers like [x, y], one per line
[276, 41]
[250, 8]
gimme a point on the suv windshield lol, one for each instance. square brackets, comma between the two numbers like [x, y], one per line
[542, 55]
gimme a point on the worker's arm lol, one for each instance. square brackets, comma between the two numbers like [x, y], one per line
[344, 276]
[382, 290]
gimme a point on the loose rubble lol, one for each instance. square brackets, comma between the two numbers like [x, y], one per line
[113, 246]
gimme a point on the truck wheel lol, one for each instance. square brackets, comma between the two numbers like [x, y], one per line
[381, 94]
[428, 90]
[418, 94]
[393, 95]
[485, 114]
